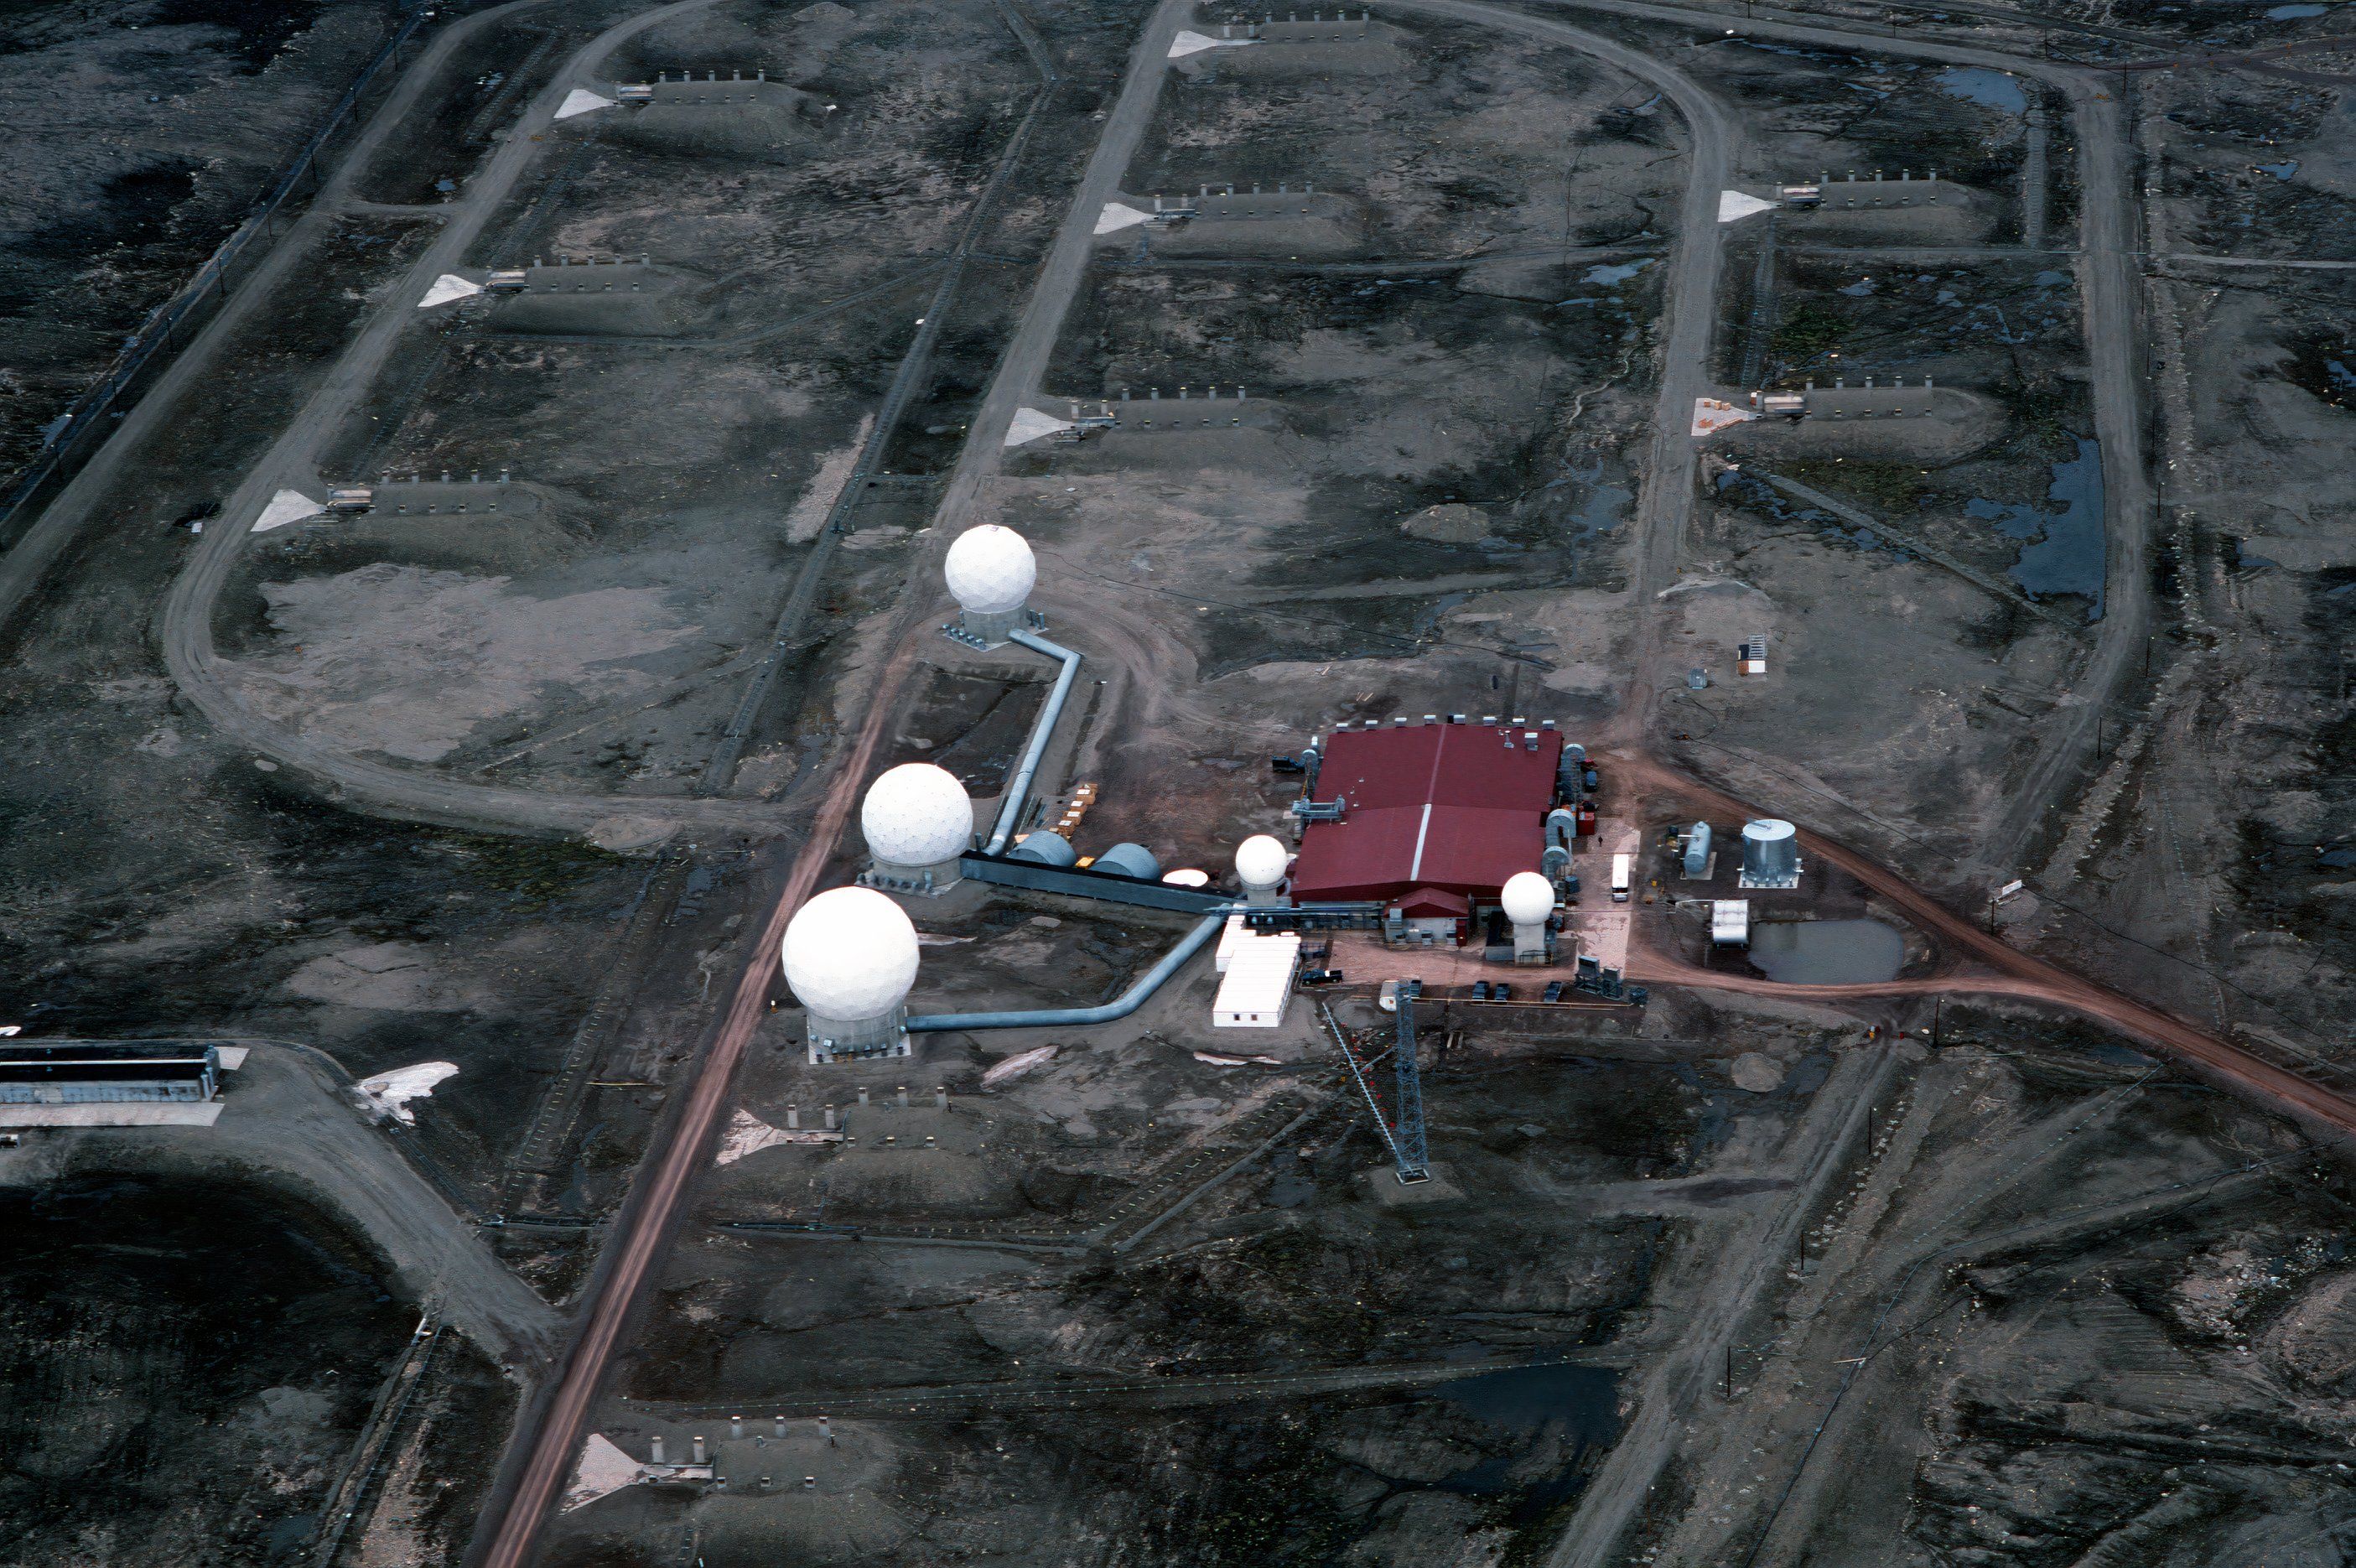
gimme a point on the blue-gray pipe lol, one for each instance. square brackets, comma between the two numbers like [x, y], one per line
[1121, 1006]
[1018, 788]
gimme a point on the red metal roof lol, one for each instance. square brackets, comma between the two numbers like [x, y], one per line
[1460, 807]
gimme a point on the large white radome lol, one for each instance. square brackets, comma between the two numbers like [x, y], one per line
[990, 570]
[850, 953]
[1527, 897]
[916, 814]
[1260, 861]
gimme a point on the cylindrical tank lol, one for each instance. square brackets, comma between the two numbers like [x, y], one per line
[1129, 860]
[1771, 854]
[1044, 849]
[1697, 849]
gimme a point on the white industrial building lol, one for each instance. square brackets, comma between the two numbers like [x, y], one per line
[1256, 985]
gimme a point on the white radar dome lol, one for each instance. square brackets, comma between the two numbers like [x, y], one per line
[850, 953]
[1260, 861]
[1527, 897]
[916, 814]
[989, 570]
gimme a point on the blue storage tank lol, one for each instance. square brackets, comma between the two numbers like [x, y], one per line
[1697, 849]
[1044, 848]
[1129, 859]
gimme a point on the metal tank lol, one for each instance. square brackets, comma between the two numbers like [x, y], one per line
[1771, 854]
[1129, 859]
[1697, 849]
[1044, 849]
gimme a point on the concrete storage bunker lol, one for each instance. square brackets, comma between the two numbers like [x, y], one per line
[1289, 44]
[636, 297]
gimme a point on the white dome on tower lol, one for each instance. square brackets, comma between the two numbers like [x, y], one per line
[1260, 861]
[916, 814]
[1527, 897]
[989, 570]
[850, 953]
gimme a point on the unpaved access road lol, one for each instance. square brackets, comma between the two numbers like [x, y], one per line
[2106, 261]
[2004, 971]
[290, 1112]
[185, 630]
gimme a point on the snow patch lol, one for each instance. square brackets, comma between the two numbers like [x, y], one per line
[581, 100]
[1029, 424]
[286, 506]
[817, 503]
[1734, 206]
[447, 287]
[1210, 1060]
[1020, 1063]
[1190, 42]
[1119, 215]
[389, 1093]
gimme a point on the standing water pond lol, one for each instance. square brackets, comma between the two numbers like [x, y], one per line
[1827, 952]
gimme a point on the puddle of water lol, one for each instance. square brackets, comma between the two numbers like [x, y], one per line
[2280, 171]
[1858, 289]
[2069, 559]
[2294, 12]
[1578, 1405]
[2117, 1055]
[1606, 505]
[2066, 556]
[1990, 89]
[1608, 276]
[2049, 280]
[1827, 952]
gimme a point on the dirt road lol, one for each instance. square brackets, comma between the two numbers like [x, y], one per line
[23, 567]
[289, 1111]
[643, 1230]
[2002, 970]
[2106, 264]
[186, 631]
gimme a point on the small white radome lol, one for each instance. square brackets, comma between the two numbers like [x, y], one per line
[989, 569]
[1260, 861]
[916, 814]
[850, 953]
[1527, 897]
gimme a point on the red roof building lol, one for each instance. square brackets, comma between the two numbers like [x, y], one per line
[1447, 806]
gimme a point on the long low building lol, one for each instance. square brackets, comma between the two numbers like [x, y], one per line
[1433, 817]
[109, 1082]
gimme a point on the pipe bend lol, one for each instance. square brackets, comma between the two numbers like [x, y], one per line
[1120, 1006]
